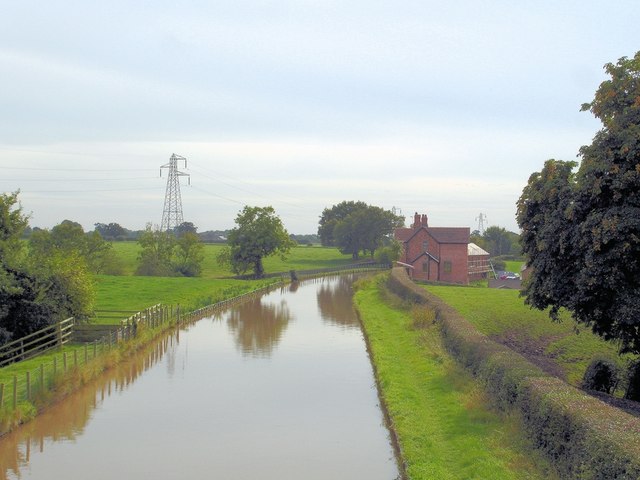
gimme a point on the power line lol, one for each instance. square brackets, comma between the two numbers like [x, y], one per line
[39, 169]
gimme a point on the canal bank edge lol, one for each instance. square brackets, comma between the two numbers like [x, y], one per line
[388, 420]
[584, 437]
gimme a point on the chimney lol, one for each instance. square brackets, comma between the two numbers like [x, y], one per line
[416, 221]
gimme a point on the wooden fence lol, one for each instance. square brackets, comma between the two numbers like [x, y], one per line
[29, 346]
[26, 386]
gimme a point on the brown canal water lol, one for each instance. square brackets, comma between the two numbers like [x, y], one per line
[280, 387]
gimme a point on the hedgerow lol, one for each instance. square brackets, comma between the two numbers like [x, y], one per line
[585, 437]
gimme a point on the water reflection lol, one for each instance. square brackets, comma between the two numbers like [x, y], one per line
[66, 421]
[335, 301]
[203, 409]
[257, 327]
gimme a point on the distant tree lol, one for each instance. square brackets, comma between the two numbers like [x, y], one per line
[497, 241]
[356, 227]
[111, 231]
[589, 258]
[156, 254]
[259, 233]
[189, 255]
[69, 238]
[330, 218]
[185, 227]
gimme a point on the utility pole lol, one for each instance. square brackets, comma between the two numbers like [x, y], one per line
[172, 213]
[482, 218]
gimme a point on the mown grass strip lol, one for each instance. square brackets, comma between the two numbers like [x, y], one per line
[441, 416]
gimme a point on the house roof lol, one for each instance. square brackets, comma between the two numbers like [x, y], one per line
[449, 234]
[440, 234]
[473, 249]
[403, 234]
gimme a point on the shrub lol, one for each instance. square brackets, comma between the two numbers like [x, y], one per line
[602, 375]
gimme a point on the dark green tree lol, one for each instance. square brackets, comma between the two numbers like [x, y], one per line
[590, 262]
[259, 233]
[545, 216]
[356, 227]
[330, 218]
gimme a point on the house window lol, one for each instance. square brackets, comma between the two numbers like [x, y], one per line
[447, 266]
[425, 245]
[425, 267]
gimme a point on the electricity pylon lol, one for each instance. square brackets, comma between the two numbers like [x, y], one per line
[482, 218]
[172, 213]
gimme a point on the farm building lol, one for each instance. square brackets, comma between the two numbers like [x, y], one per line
[479, 264]
[438, 254]
[441, 254]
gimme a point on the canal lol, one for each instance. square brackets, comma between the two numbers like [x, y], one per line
[280, 387]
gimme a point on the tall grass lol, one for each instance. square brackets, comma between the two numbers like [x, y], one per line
[444, 422]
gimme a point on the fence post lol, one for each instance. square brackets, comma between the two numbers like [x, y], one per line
[86, 354]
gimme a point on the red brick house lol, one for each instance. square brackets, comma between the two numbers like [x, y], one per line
[438, 254]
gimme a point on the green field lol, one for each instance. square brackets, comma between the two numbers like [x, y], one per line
[444, 421]
[300, 258]
[502, 315]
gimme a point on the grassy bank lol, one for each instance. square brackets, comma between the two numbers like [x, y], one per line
[130, 293]
[502, 315]
[443, 420]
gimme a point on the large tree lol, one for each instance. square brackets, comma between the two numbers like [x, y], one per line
[332, 216]
[356, 227]
[259, 233]
[595, 240]
[544, 215]
[38, 289]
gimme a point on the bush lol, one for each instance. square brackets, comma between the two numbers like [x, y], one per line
[602, 375]
[633, 377]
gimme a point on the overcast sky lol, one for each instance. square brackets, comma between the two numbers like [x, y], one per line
[443, 108]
